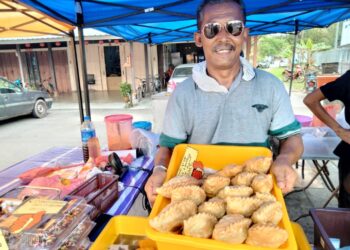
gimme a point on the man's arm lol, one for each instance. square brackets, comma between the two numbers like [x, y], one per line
[158, 176]
[312, 101]
[291, 150]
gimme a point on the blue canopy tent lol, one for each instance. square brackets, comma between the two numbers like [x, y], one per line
[159, 21]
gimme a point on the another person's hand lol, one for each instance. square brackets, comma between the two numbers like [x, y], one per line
[344, 134]
[285, 175]
[153, 182]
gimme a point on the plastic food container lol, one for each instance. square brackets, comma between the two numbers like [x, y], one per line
[331, 223]
[122, 225]
[118, 128]
[101, 191]
[78, 235]
[51, 233]
[216, 157]
[303, 243]
[24, 192]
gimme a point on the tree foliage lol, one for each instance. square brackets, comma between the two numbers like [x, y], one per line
[281, 45]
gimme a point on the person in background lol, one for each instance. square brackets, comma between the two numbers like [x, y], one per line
[336, 90]
[169, 72]
[227, 101]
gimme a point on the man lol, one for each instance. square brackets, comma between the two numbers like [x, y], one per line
[226, 101]
[336, 90]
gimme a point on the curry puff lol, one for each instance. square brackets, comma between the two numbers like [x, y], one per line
[244, 178]
[265, 197]
[214, 206]
[193, 193]
[269, 212]
[171, 218]
[260, 165]
[232, 229]
[234, 191]
[214, 183]
[242, 205]
[262, 183]
[200, 225]
[178, 181]
[230, 170]
[266, 235]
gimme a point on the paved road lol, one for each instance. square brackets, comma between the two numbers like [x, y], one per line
[26, 136]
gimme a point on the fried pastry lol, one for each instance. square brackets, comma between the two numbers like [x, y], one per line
[244, 178]
[232, 228]
[200, 225]
[262, 183]
[193, 193]
[178, 181]
[230, 170]
[214, 183]
[269, 212]
[214, 206]
[265, 197]
[260, 165]
[173, 215]
[242, 205]
[266, 235]
[234, 191]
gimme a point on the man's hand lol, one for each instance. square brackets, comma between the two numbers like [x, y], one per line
[344, 134]
[153, 182]
[285, 175]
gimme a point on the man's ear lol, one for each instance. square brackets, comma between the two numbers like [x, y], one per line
[198, 39]
[246, 34]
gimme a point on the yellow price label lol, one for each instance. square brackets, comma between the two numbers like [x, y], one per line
[3, 243]
[186, 167]
[36, 205]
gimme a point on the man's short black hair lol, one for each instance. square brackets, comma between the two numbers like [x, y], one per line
[212, 2]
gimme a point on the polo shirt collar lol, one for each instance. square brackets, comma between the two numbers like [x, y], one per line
[209, 84]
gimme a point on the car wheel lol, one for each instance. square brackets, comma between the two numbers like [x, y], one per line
[40, 109]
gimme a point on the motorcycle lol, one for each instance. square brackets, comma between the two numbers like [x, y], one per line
[298, 75]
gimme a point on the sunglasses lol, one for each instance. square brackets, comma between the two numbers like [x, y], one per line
[235, 28]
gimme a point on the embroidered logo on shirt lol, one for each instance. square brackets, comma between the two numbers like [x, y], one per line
[260, 107]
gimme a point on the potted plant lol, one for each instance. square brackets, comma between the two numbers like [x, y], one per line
[125, 90]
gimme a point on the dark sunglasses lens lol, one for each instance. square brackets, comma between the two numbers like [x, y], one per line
[211, 30]
[234, 29]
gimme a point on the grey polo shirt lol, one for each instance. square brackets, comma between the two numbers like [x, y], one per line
[245, 115]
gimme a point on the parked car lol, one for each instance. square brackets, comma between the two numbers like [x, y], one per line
[263, 64]
[16, 101]
[180, 73]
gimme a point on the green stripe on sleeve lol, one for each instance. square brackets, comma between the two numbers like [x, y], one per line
[253, 144]
[169, 142]
[293, 127]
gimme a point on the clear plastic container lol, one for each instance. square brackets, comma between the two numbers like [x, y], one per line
[77, 236]
[24, 192]
[50, 234]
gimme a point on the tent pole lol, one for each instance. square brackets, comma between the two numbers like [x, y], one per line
[84, 71]
[77, 78]
[294, 49]
[80, 21]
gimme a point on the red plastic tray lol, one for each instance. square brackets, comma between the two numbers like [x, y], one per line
[100, 191]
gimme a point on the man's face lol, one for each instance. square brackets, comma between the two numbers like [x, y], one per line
[223, 50]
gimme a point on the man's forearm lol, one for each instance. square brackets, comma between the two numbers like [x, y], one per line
[163, 156]
[291, 150]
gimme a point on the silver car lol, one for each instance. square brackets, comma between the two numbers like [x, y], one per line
[181, 72]
[16, 101]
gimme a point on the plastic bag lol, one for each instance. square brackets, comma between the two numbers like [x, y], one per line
[144, 140]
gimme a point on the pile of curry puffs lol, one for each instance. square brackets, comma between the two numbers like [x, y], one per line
[234, 205]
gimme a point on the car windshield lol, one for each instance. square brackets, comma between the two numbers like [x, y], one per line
[182, 72]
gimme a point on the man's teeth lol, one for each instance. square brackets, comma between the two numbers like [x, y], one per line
[223, 50]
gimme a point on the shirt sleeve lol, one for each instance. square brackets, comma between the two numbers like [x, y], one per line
[283, 124]
[338, 89]
[174, 130]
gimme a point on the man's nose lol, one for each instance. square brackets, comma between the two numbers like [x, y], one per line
[223, 34]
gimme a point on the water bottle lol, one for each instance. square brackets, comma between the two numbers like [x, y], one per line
[87, 131]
